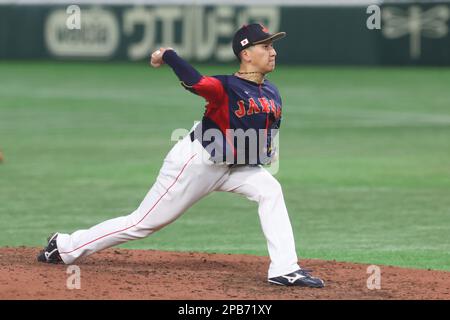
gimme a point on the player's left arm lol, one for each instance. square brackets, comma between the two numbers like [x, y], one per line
[278, 115]
[208, 87]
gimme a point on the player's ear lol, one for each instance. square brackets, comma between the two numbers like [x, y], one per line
[245, 55]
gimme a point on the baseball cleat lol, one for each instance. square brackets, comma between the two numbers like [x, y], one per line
[50, 253]
[300, 278]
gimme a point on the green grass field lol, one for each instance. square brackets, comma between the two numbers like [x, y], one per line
[364, 159]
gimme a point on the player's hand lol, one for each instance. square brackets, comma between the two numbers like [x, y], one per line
[156, 59]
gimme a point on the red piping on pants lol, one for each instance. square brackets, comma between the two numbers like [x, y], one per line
[167, 190]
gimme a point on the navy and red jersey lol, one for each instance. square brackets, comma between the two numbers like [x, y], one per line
[233, 105]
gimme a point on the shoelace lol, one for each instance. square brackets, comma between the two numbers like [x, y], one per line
[306, 272]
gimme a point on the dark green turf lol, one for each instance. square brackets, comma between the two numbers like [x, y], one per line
[364, 155]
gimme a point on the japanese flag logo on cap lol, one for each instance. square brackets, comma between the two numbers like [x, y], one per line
[244, 42]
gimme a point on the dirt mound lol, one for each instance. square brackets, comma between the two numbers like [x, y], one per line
[153, 275]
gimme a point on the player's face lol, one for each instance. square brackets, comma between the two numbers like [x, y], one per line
[263, 56]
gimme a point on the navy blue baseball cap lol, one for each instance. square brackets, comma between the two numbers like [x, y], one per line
[251, 34]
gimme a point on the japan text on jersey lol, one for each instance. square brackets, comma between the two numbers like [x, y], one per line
[241, 116]
[240, 119]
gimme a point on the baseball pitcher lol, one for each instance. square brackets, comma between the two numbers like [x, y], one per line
[212, 158]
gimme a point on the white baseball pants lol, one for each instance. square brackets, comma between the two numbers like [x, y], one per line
[185, 177]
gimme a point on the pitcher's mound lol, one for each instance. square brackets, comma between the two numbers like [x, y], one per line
[149, 274]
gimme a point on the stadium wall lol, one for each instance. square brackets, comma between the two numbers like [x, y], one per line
[412, 33]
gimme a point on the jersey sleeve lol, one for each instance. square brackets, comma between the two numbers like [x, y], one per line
[277, 122]
[209, 88]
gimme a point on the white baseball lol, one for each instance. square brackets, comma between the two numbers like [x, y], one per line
[154, 54]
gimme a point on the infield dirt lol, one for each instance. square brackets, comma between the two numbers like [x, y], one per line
[154, 275]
